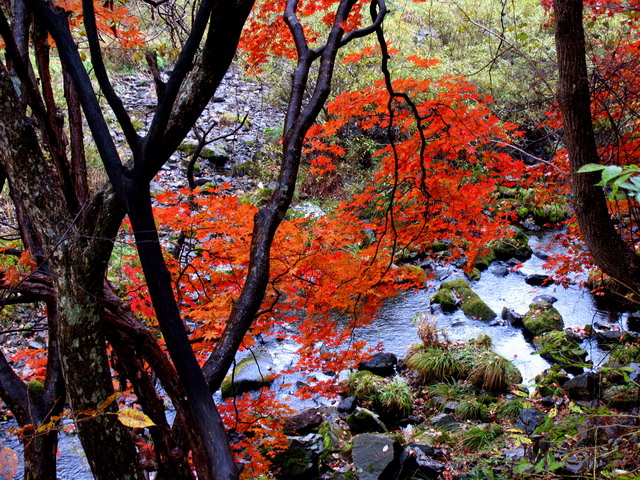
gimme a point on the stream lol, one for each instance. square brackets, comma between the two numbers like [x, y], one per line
[395, 329]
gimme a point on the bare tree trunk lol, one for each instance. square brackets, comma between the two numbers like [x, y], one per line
[605, 245]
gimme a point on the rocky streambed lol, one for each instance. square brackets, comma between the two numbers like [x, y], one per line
[446, 426]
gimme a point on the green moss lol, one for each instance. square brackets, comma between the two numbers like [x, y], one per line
[549, 383]
[621, 396]
[542, 318]
[561, 347]
[472, 304]
[516, 246]
[473, 275]
[476, 308]
[446, 299]
[439, 247]
[36, 386]
[483, 262]
[258, 197]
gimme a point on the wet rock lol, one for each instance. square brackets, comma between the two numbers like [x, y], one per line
[300, 460]
[383, 364]
[450, 407]
[633, 322]
[562, 348]
[538, 279]
[514, 247]
[609, 339]
[334, 436]
[347, 405]
[363, 420]
[529, 419]
[458, 292]
[249, 374]
[444, 421]
[303, 422]
[417, 464]
[585, 387]
[512, 317]
[541, 318]
[500, 271]
[376, 457]
[544, 299]
[513, 455]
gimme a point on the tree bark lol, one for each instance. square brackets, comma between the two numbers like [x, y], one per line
[604, 243]
[77, 260]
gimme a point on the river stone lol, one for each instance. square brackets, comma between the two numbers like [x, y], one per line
[541, 318]
[585, 387]
[538, 279]
[383, 364]
[363, 421]
[459, 290]
[511, 316]
[376, 457]
[249, 374]
[609, 339]
[544, 299]
[633, 322]
[303, 422]
[514, 247]
[417, 464]
[347, 405]
[528, 420]
[444, 421]
[300, 460]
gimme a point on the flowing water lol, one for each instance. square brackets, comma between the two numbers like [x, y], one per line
[395, 329]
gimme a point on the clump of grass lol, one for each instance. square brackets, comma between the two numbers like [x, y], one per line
[494, 373]
[509, 409]
[450, 391]
[472, 410]
[395, 397]
[365, 385]
[480, 436]
[435, 364]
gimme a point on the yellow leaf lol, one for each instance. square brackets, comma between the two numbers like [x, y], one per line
[133, 418]
[8, 463]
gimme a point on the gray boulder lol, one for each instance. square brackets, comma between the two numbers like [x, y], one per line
[251, 373]
[376, 457]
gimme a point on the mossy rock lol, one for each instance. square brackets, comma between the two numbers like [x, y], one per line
[473, 275]
[437, 247]
[363, 420]
[446, 299]
[516, 246]
[334, 437]
[550, 382]
[621, 396]
[562, 348]
[542, 318]
[472, 305]
[483, 262]
[249, 374]
[476, 308]
[550, 213]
